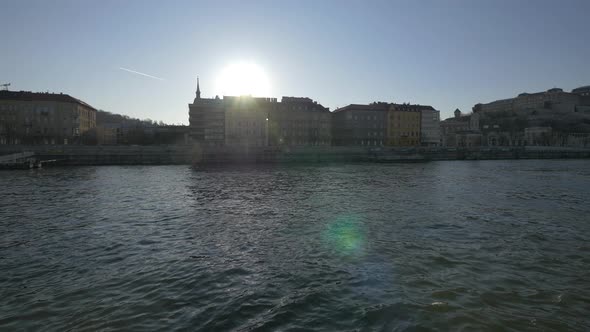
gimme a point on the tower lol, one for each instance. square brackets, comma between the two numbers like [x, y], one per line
[198, 89]
[457, 113]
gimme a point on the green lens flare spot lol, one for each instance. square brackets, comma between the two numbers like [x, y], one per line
[346, 235]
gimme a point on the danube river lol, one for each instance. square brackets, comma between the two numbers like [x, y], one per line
[481, 245]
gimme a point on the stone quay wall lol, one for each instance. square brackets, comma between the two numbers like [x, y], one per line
[192, 154]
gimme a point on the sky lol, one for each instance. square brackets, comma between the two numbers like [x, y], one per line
[446, 53]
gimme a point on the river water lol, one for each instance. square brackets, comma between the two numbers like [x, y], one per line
[482, 245]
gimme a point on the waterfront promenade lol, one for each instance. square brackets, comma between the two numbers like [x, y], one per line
[187, 154]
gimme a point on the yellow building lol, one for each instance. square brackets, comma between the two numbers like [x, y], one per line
[403, 125]
[45, 118]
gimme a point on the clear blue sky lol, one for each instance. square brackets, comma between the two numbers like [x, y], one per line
[446, 53]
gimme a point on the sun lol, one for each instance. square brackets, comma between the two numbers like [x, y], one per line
[243, 78]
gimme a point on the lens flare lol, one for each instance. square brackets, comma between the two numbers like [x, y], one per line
[346, 235]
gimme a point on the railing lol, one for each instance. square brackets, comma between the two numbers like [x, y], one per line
[12, 158]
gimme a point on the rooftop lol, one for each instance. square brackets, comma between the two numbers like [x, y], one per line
[41, 96]
[462, 118]
[382, 106]
[304, 101]
[582, 88]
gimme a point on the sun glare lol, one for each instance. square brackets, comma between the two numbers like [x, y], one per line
[243, 78]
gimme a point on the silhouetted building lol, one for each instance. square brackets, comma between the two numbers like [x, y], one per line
[45, 118]
[300, 121]
[207, 120]
[582, 91]
[247, 121]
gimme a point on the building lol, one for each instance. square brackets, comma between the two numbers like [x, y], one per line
[403, 124]
[552, 100]
[584, 94]
[583, 91]
[578, 140]
[207, 120]
[538, 136]
[300, 121]
[45, 118]
[360, 125]
[430, 127]
[451, 126]
[382, 123]
[461, 130]
[247, 121]
[502, 105]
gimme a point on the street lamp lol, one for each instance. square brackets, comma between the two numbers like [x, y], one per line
[267, 131]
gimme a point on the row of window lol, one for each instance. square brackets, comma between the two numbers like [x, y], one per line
[364, 117]
[245, 131]
[32, 109]
[45, 131]
[301, 133]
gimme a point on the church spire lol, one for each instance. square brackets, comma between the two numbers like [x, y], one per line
[198, 89]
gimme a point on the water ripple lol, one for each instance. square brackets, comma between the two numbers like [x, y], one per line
[494, 245]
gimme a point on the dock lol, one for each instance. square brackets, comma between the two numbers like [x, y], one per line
[22, 160]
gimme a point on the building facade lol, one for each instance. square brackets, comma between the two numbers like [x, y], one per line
[360, 125]
[383, 124]
[461, 130]
[207, 120]
[552, 100]
[538, 136]
[300, 121]
[403, 125]
[45, 118]
[430, 127]
[584, 93]
[247, 121]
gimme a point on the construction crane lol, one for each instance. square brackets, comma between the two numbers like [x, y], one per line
[5, 86]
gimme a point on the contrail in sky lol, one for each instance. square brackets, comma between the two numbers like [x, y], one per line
[142, 74]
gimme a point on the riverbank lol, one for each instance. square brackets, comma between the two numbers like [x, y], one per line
[191, 154]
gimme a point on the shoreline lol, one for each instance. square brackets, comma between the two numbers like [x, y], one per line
[72, 155]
